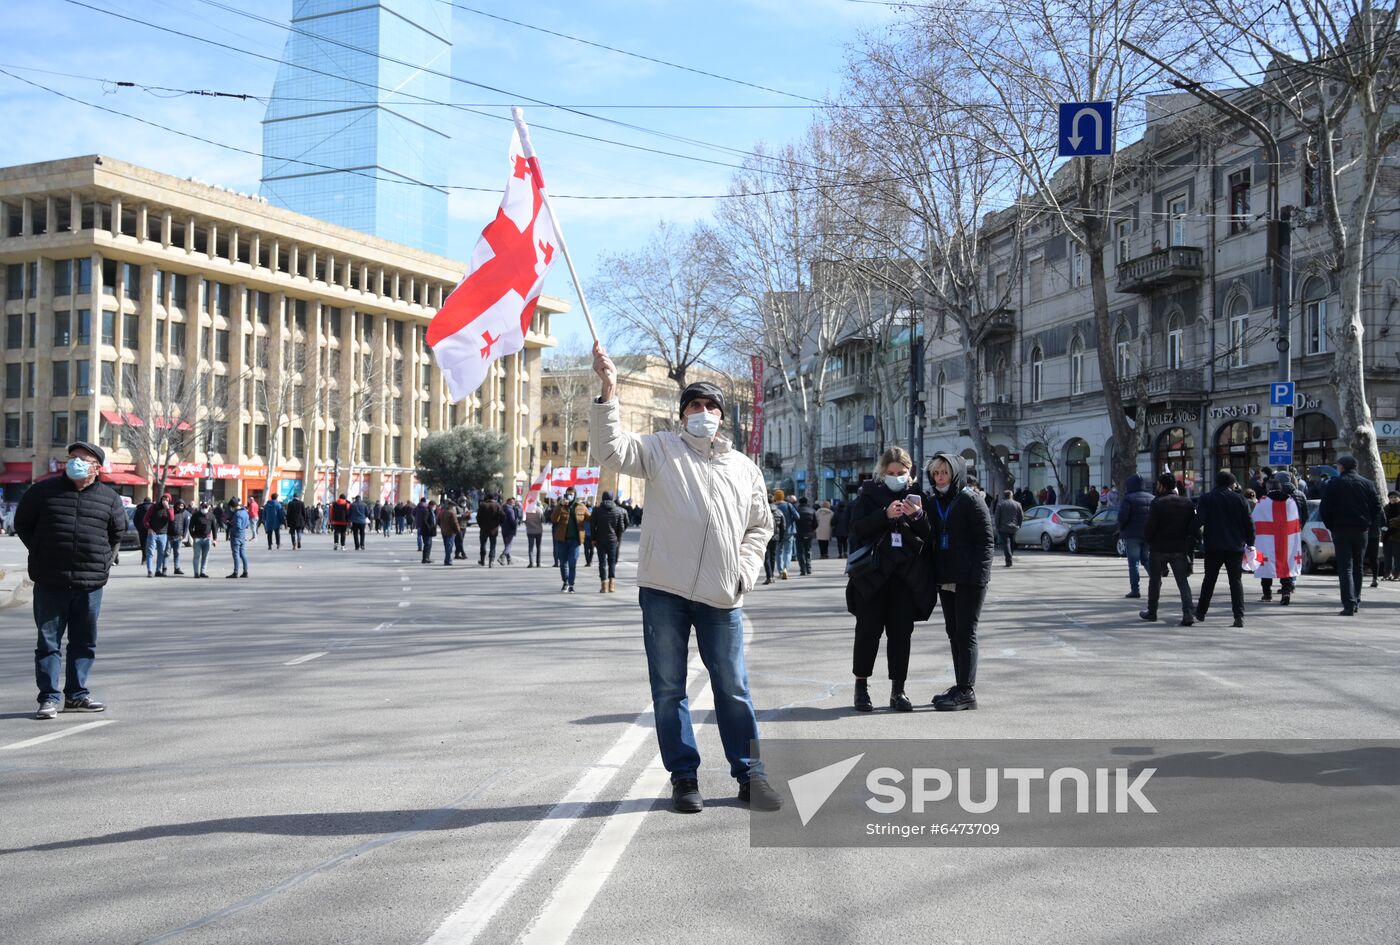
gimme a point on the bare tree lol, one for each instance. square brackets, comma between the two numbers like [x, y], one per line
[281, 397]
[1022, 58]
[1330, 67]
[929, 189]
[1051, 440]
[778, 224]
[667, 297]
[569, 384]
[176, 415]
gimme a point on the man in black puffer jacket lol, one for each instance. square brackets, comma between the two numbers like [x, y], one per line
[609, 522]
[1171, 536]
[70, 524]
[1226, 530]
[1351, 507]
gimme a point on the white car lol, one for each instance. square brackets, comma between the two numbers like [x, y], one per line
[1049, 525]
[1318, 549]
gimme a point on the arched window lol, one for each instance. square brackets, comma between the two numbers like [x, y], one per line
[942, 394]
[1239, 326]
[1176, 341]
[1037, 374]
[1315, 316]
[1076, 366]
[999, 388]
[1122, 353]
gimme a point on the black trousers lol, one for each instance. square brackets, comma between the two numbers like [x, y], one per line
[487, 541]
[607, 561]
[1351, 560]
[295, 535]
[359, 532]
[770, 560]
[338, 535]
[1180, 565]
[1008, 546]
[961, 610]
[457, 551]
[890, 614]
[824, 547]
[271, 534]
[841, 546]
[1231, 561]
[804, 554]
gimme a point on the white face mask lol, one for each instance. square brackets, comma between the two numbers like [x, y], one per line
[704, 424]
[896, 483]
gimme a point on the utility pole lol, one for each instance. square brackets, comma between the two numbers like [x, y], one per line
[916, 390]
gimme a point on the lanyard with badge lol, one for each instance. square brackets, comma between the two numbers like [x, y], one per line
[943, 518]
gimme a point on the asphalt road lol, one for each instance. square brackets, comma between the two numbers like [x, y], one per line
[352, 747]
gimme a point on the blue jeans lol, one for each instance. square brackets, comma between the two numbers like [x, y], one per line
[568, 560]
[449, 548]
[57, 609]
[532, 548]
[786, 549]
[156, 545]
[425, 544]
[201, 554]
[239, 547]
[174, 545]
[719, 635]
[1136, 550]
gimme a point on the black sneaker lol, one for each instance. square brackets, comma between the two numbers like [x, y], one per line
[759, 795]
[956, 701]
[685, 797]
[83, 704]
[1147, 615]
[1239, 622]
[1132, 595]
[1284, 600]
[49, 710]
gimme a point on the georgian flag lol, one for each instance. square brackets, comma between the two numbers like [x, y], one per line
[532, 497]
[1278, 539]
[487, 315]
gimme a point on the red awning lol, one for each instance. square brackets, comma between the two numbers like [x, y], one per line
[114, 417]
[14, 473]
[134, 420]
[178, 481]
[122, 478]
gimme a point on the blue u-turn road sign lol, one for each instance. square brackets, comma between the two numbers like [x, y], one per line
[1086, 128]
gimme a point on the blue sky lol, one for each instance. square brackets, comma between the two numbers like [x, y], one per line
[793, 45]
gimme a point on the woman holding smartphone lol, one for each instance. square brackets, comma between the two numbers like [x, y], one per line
[962, 541]
[888, 596]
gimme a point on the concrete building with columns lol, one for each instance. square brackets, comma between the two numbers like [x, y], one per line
[114, 274]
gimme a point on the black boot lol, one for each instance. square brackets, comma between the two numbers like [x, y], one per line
[863, 703]
[898, 700]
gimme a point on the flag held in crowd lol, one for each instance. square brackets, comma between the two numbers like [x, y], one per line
[1278, 538]
[582, 479]
[532, 497]
[487, 316]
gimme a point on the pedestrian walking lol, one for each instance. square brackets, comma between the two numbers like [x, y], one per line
[449, 525]
[709, 523]
[962, 537]
[806, 530]
[71, 526]
[1133, 510]
[238, 531]
[296, 520]
[488, 524]
[570, 521]
[1392, 537]
[534, 534]
[608, 523]
[776, 540]
[841, 525]
[138, 515]
[1007, 518]
[1171, 538]
[254, 511]
[426, 522]
[177, 532]
[386, 515]
[274, 516]
[1278, 533]
[1351, 508]
[359, 520]
[340, 521]
[510, 524]
[888, 588]
[201, 538]
[789, 546]
[158, 535]
[1226, 531]
[216, 514]
[825, 517]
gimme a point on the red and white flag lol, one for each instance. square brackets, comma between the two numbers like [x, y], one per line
[487, 316]
[582, 479]
[1278, 539]
[532, 497]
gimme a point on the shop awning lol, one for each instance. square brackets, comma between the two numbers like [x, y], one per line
[133, 420]
[122, 478]
[15, 473]
[161, 423]
[178, 481]
[114, 417]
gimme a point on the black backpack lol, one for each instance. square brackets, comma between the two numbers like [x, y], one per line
[779, 525]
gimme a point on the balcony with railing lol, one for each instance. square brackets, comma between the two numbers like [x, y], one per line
[1173, 266]
[843, 388]
[999, 325]
[992, 414]
[1175, 384]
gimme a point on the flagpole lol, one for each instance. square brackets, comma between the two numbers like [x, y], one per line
[519, 115]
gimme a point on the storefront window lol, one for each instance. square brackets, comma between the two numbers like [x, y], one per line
[1174, 454]
[1076, 469]
[1314, 436]
[1237, 450]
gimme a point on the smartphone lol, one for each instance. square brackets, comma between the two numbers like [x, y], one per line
[914, 498]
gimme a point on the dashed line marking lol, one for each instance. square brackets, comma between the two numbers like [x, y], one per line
[39, 740]
[305, 659]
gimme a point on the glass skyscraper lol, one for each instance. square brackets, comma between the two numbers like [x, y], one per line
[348, 136]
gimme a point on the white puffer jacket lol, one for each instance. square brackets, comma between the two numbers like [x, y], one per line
[707, 521]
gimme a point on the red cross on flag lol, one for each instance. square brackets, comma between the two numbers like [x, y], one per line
[487, 315]
[582, 479]
[532, 497]
[1278, 536]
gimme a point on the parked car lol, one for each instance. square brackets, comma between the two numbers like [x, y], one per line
[129, 540]
[1049, 525]
[1318, 549]
[1099, 533]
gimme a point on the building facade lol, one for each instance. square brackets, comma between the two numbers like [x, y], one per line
[348, 136]
[287, 352]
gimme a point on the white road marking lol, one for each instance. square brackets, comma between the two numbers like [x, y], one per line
[1218, 679]
[407, 589]
[305, 659]
[63, 733]
[403, 603]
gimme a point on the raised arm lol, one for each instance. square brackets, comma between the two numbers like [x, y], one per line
[615, 449]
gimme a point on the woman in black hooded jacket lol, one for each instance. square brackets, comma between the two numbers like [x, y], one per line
[961, 539]
[899, 590]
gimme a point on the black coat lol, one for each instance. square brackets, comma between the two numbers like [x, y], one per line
[1351, 502]
[806, 522]
[968, 557]
[1224, 519]
[907, 569]
[70, 533]
[1171, 525]
[609, 522]
[296, 514]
